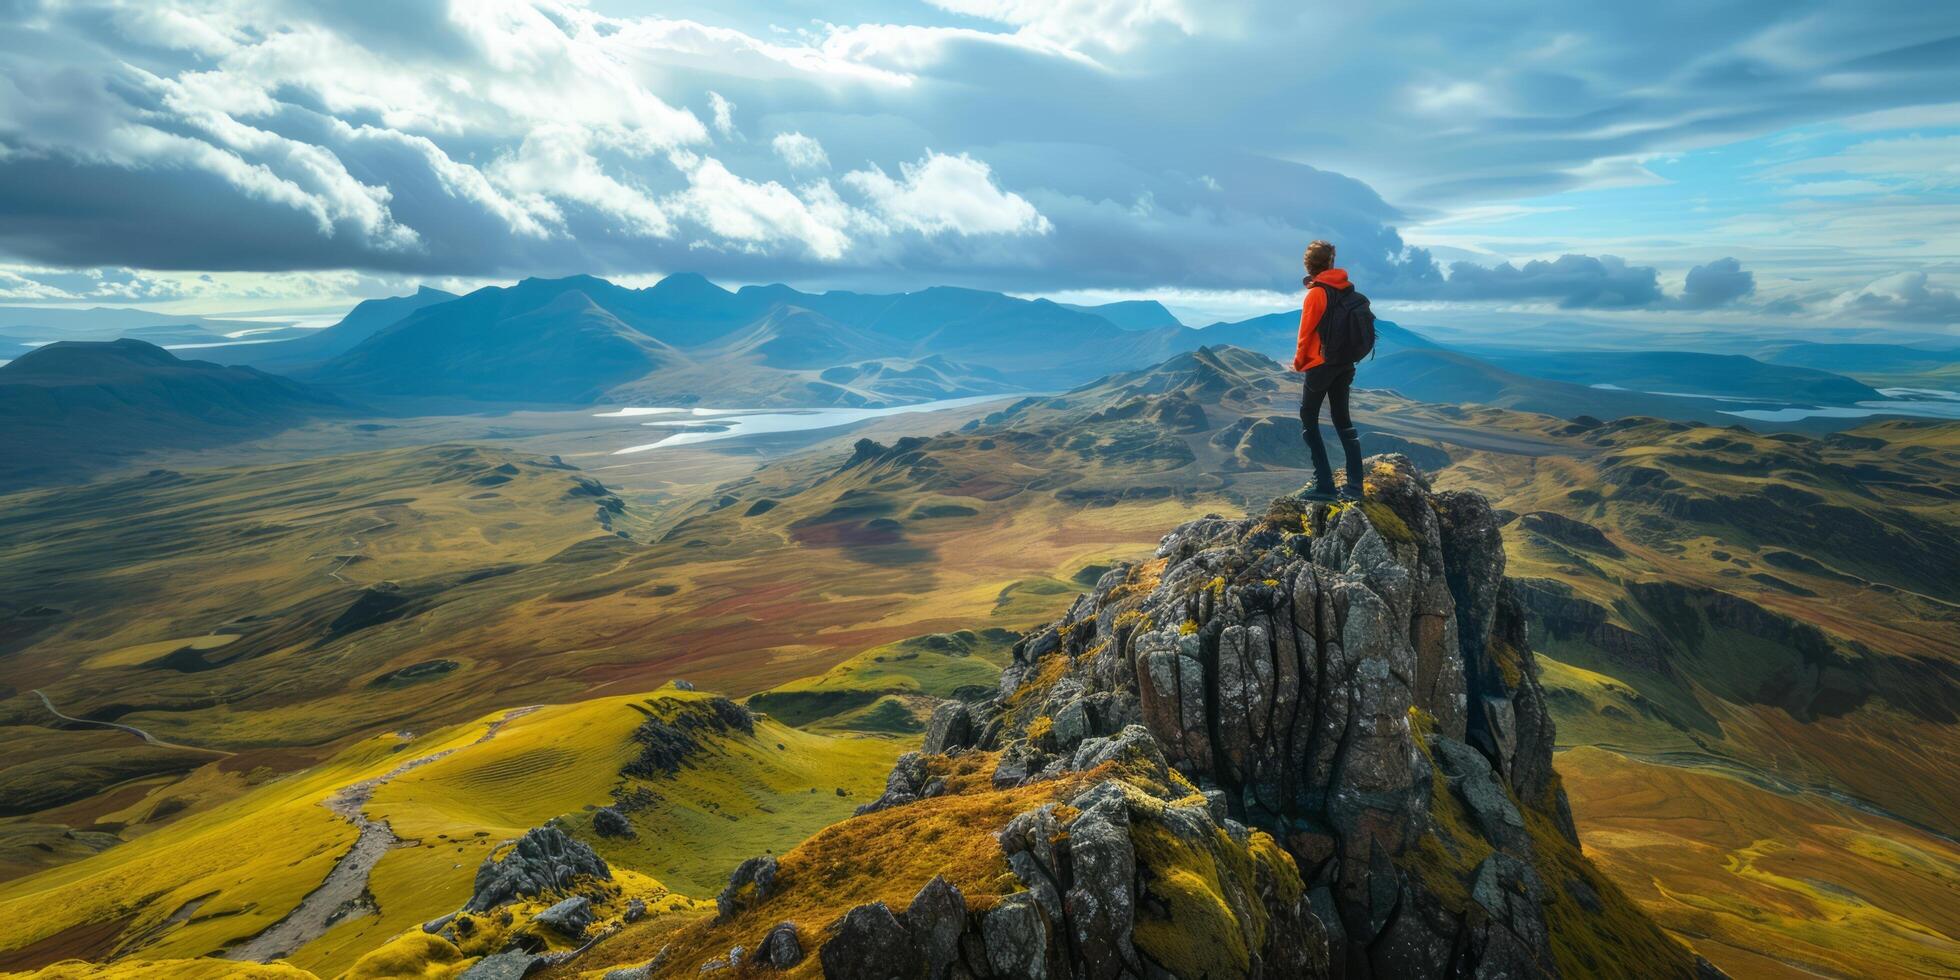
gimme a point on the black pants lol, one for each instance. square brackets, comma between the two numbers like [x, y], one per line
[1331, 387]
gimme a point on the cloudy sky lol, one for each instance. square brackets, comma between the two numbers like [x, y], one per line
[1731, 163]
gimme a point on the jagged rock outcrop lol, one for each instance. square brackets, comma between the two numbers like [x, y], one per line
[1135, 876]
[668, 739]
[544, 860]
[1327, 714]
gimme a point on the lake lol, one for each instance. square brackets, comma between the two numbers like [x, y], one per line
[693, 426]
[1928, 403]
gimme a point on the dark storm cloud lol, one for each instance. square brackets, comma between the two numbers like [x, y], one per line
[1717, 283]
[1572, 281]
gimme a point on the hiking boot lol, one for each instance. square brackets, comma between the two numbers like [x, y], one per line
[1351, 492]
[1318, 491]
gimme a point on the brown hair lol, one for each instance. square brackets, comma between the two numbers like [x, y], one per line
[1320, 257]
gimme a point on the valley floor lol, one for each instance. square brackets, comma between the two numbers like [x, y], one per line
[455, 632]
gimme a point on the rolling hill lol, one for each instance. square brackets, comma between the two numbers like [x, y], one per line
[1879, 363]
[1449, 377]
[72, 407]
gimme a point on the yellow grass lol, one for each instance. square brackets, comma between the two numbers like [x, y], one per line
[1768, 885]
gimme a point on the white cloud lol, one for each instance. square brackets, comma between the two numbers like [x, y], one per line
[947, 194]
[1116, 25]
[211, 102]
[753, 214]
[1914, 161]
[1835, 188]
[557, 163]
[1902, 296]
[1448, 98]
[904, 51]
[14, 286]
[724, 114]
[531, 218]
[800, 151]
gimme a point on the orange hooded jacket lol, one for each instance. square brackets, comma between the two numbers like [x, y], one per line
[1306, 355]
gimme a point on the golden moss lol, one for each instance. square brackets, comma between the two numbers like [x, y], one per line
[1198, 935]
[1199, 884]
[885, 856]
[1049, 671]
[1143, 580]
[412, 954]
[1387, 523]
[1041, 727]
[1187, 627]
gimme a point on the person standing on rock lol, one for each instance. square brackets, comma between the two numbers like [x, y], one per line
[1337, 330]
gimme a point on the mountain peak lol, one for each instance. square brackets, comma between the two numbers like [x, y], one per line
[689, 284]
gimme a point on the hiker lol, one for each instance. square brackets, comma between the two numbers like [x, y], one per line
[1337, 329]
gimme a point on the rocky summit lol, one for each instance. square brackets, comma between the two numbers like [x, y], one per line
[1305, 743]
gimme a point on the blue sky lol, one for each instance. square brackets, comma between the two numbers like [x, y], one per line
[1726, 164]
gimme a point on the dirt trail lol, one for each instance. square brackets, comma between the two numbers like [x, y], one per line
[344, 894]
[132, 729]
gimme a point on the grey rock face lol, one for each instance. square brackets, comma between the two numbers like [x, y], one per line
[1101, 900]
[752, 882]
[1472, 778]
[951, 727]
[544, 860]
[1016, 937]
[780, 948]
[502, 966]
[936, 919]
[905, 784]
[1134, 743]
[570, 917]
[870, 944]
[1019, 763]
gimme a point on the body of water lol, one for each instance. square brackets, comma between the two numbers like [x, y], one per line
[1927, 409]
[1925, 403]
[698, 425]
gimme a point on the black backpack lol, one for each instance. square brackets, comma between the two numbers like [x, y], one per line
[1347, 328]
